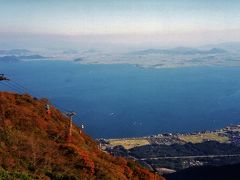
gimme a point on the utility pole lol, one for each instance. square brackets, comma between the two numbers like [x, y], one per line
[3, 78]
[69, 135]
[81, 128]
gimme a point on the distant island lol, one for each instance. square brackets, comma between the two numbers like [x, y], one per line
[146, 57]
[15, 52]
[78, 59]
[214, 55]
[9, 59]
[180, 51]
[21, 58]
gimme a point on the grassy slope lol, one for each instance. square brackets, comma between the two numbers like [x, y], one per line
[203, 136]
[129, 143]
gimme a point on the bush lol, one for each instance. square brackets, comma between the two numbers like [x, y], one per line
[58, 176]
[14, 175]
[7, 136]
[131, 165]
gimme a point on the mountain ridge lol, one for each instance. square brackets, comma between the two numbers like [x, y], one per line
[33, 142]
[180, 51]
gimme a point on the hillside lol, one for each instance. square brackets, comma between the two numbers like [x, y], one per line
[208, 173]
[33, 145]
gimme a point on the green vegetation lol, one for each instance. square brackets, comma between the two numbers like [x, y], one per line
[5, 175]
[188, 149]
[198, 138]
[129, 143]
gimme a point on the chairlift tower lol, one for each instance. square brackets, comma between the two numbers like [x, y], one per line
[70, 115]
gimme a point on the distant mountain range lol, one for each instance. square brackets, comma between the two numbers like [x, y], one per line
[15, 52]
[180, 51]
[16, 55]
[36, 56]
[229, 46]
[9, 59]
[19, 58]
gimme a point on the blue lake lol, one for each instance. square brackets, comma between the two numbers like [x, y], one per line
[127, 101]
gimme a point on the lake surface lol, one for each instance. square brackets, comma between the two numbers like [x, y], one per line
[127, 101]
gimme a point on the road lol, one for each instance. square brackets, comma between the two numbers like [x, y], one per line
[191, 157]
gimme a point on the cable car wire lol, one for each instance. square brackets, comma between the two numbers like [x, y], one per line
[11, 87]
[19, 88]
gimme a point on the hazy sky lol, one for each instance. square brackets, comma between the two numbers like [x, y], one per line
[168, 21]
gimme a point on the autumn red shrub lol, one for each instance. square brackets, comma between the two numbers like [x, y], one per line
[33, 142]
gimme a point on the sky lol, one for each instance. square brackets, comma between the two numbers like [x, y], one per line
[155, 22]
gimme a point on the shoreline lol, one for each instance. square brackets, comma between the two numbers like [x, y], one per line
[222, 135]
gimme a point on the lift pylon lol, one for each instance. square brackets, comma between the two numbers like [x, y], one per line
[70, 115]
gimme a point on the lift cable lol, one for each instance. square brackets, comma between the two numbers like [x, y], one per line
[20, 86]
[11, 84]
[10, 87]
[15, 86]
[26, 89]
